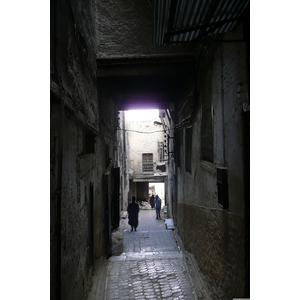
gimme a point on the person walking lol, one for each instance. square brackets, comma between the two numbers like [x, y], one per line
[157, 201]
[133, 214]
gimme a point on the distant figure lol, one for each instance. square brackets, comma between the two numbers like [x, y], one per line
[157, 206]
[152, 201]
[133, 214]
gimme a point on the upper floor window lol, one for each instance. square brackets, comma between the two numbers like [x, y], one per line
[147, 162]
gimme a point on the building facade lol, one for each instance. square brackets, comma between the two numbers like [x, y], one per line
[148, 152]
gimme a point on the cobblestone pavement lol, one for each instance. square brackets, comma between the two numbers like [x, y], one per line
[152, 266]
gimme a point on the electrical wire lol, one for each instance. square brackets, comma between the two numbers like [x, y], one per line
[185, 122]
[141, 131]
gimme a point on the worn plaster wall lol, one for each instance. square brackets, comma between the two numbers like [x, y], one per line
[54, 186]
[79, 113]
[215, 236]
[170, 182]
[122, 161]
[82, 175]
[109, 134]
[74, 212]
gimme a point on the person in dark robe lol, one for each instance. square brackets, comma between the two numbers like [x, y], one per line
[133, 214]
[152, 201]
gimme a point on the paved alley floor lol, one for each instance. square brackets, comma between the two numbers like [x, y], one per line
[151, 265]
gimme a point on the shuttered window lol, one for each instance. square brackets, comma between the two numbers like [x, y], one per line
[147, 162]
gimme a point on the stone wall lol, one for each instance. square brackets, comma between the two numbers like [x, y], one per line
[124, 29]
[216, 239]
[214, 235]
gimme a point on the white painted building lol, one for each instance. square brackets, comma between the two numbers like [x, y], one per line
[146, 134]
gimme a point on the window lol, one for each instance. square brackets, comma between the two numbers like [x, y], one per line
[89, 142]
[188, 149]
[147, 162]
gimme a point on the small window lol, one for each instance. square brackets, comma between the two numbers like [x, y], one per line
[147, 162]
[89, 142]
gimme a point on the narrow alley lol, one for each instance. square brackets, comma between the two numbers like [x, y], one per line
[148, 98]
[109, 103]
[153, 265]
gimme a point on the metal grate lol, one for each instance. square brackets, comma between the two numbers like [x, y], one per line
[180, 21]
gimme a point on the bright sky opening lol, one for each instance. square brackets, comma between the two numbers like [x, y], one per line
[139, 115]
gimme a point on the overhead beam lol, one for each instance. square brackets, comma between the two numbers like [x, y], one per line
[145, 66]
[143, 101]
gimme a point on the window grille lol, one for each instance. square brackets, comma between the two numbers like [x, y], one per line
[147, 162]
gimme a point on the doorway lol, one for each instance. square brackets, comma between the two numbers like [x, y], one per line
[158, 188]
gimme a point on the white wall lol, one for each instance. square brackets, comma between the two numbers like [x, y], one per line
[143, 137]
